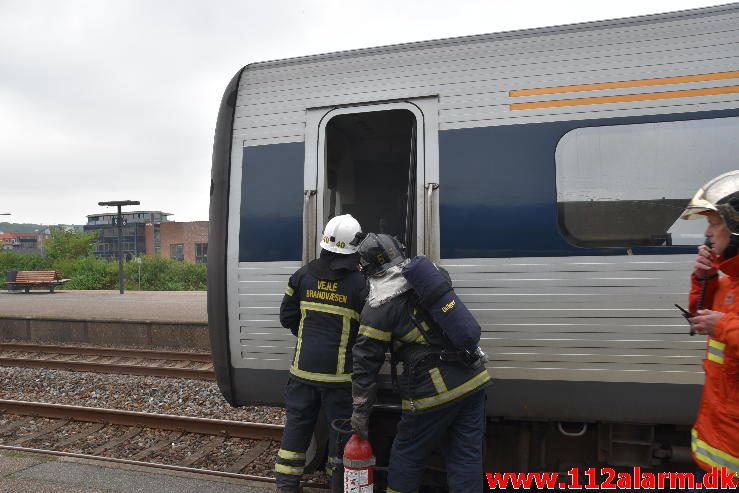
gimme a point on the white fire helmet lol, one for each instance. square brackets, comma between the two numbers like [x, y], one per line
[339, 233]
[720, 195]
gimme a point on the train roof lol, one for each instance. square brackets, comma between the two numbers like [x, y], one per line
[504, 35]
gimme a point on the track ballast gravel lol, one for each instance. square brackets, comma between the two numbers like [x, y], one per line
[181, 397]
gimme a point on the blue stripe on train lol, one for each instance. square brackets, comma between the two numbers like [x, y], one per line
[498, 193]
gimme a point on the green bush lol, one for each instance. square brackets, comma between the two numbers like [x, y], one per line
[163, 274]
[156, 273]
[88, 273]
[68, 244]
[17, 261]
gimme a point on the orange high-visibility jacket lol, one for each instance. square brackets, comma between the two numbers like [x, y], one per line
[715, 440]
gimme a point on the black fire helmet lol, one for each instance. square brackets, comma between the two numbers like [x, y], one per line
[378, 252]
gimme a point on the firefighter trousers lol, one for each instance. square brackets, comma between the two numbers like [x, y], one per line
[458, 430]
[303, 402]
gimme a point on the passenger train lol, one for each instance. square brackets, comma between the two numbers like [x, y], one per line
[545, 169]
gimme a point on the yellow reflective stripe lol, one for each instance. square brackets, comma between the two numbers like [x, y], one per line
[320, 377]
[713, 456]
[423, 324]
[300, 338]
[413, 336]
[289, 291]
[290, 455]
[449, 395]
[333, 309]
[716, 344]
[345, 331]
[373, 333]
[293, 471]
[346, 315]
[438, 380]
[715, 351]
[715, 358]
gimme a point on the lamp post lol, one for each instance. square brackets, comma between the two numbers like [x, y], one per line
[119, 222]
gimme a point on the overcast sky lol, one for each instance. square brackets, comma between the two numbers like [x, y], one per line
[115, 100]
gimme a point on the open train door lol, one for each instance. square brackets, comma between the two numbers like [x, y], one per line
[378, 162]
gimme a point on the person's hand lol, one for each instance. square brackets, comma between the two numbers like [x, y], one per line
[360, 423]
[703, 265]
[704, 321]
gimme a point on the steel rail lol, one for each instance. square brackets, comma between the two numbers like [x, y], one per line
[204, 426]
[157, 465]
[192, 373]
[119, 352]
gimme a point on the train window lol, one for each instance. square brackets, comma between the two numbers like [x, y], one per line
[626, 185]
[271, 203]
[370, 170]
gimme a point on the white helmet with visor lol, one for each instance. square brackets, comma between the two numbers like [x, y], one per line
[720, 195]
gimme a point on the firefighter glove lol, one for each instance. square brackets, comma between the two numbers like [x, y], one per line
[360, 423]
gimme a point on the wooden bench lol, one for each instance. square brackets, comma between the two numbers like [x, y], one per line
[28, 279]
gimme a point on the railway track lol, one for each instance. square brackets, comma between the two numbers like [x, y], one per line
[204, 446]
[171, 364]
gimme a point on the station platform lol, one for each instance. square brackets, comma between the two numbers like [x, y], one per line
[164, 319]
[155, 306]
[22, 472]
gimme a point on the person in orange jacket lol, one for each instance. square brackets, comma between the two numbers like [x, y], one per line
[714, 305]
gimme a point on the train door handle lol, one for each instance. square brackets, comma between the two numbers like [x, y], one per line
[430, 247]
[309, 225]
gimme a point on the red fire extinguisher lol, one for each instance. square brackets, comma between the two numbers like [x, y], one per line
[359, 462]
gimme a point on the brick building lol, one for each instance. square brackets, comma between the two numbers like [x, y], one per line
[186, 241]
[22, 242]
[150, 233]
[132, 232]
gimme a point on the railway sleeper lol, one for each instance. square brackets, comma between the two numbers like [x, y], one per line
[161, 444]
[249, 456]
[85, 432]
[131, 434]
[214, 443]
[50, 428]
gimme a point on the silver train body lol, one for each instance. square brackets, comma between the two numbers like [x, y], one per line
[545, 169]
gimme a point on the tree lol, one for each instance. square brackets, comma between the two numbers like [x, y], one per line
[70, 244]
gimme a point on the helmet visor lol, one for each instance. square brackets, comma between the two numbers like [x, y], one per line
[710, 195]
[698, 205]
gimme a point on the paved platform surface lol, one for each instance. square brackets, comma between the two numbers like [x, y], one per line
[158, 306]
[38, 473]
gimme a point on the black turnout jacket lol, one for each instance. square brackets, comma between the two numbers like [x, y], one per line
[321, 307]
[432, 376]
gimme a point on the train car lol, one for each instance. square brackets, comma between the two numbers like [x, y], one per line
[545, 169]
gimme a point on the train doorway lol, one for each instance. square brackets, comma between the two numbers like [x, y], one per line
[371, 171]
[370, 162]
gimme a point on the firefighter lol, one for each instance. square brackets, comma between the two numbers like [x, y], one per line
[443, 401]
[714, 303]
[321, 307]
